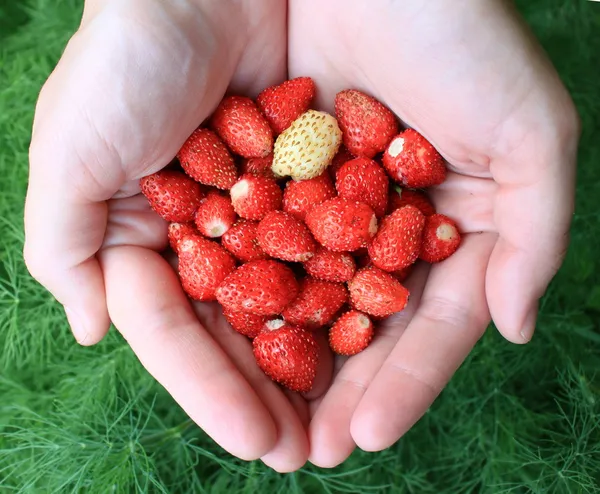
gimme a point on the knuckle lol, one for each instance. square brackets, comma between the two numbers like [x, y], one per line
[433, 381]
[441, 310]
[36, 261]
[557, 257]
[571, 122]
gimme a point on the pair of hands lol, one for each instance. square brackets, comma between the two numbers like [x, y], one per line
[139, 76]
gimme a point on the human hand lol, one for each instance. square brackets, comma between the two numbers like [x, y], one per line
[132, 85]
[469, 77]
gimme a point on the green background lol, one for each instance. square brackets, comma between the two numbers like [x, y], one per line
[514, 419]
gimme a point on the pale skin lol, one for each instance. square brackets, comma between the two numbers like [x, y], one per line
[136, 80]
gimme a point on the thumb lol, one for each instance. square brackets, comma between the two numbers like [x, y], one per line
[532, 210]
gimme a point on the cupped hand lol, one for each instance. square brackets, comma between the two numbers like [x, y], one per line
[469, 76]
[137, 79]
[133, 83]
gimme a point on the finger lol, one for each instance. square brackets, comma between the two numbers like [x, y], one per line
[329, 432]
[150, 310]
[451, 317]
[131, 221]
[301, 407]
[290, 450]
[63, 231]
[532, 212]
[338, 361]
[324, 369]
[467, 200]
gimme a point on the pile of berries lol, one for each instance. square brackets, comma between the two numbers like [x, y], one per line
[295, 220]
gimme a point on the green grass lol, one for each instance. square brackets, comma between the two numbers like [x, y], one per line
[514, 419]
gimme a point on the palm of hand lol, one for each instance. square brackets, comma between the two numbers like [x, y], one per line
[463, 97]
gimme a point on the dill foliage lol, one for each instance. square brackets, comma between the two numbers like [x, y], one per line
[513, 420]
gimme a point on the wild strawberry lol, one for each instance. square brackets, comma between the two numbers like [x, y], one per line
[203, 265]
[339, 160]
[365, 261]
[241, 241]
[172, 195]
[362, 179]
[412, 161]
[215, 215]
[284, 237]
[342, 225]
[351, 333]
[206, 159]
[440, 238]
[316, 304]
[284, 103]
[261, 167]
[398, 239]
[400, 197]
[299, 197]
[331, 266]
[253, 197]
[176, 232]
[244, 322]
[377, 293]
[288, 355]
[368, 126]
[307, 147]
[262, 287]
[242, 126]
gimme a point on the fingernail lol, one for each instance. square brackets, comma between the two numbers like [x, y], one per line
[77, 325]
[529, 323]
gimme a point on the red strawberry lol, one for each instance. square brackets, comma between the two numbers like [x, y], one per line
[398, 239]
[316, 304]
[400, 197]
[368, 126]
[351, 333]
[215, 215]
[284, 237]
[411, 160]
[339, 160]
[401, 274]
[172, 195]
[262, 287]
[284, 103]
[241, 241]
[377, 293]
[342, 225]
[331, 266]
[261, 167]
[203, 265]
[207, 160]
[288, 355]
[253, 197]
[362, 179]
[245, 323]
[178, 231]
[440, 238]
[242, 126]
[299, 197]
